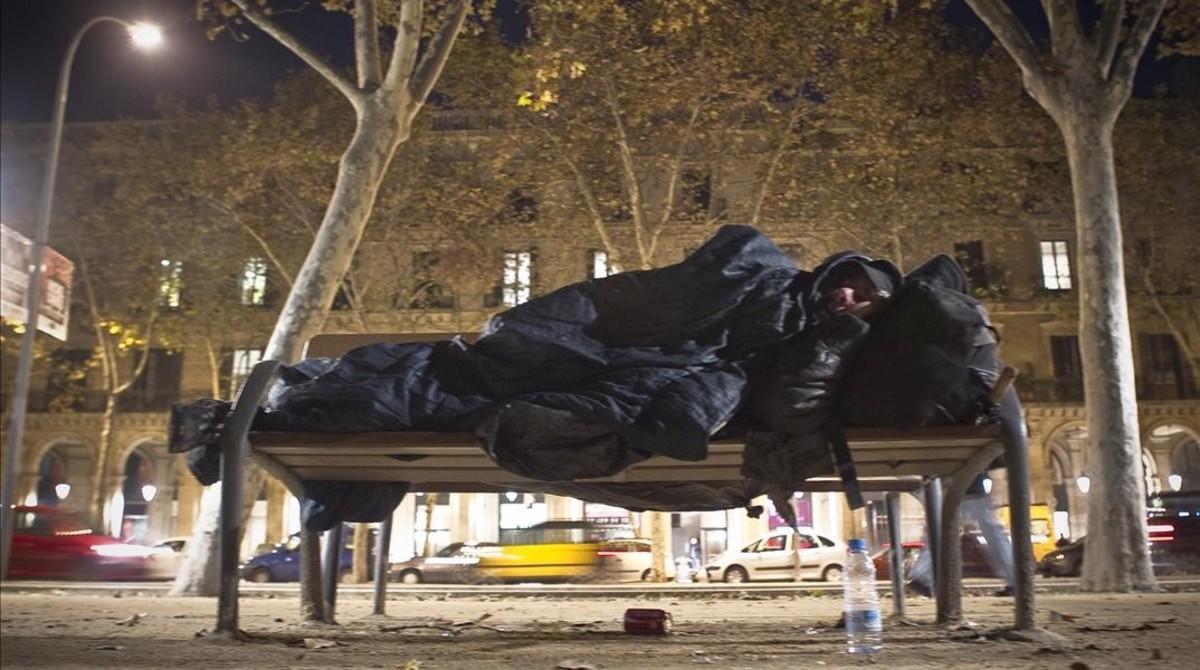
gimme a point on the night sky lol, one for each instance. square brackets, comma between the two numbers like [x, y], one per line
[113, 79]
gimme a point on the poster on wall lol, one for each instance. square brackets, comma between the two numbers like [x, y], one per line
[16, 253]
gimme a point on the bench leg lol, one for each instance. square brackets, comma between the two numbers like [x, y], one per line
[949, 568]
[382, 564]
[933, 525]
[1016, 458]
[234, 450]
[896, 554]
[333, 569]
[231, 531]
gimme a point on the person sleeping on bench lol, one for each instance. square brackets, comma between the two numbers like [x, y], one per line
[589, 379]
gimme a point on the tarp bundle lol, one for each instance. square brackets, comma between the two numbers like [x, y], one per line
[579, 383]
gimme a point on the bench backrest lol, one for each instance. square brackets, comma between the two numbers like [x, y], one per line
[332, 345]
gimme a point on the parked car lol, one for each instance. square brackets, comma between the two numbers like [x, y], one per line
[974, 561]
[1173, 529]
[454, 564]
[281, 563]
[48, 543]
[629, 560]
[1065, 561]
[774, 556]
[166, 557]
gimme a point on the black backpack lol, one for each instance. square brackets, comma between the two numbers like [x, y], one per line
[929, 359]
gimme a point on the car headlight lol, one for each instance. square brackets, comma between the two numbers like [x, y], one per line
[121, 550]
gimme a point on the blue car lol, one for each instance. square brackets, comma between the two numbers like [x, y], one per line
[282, 562]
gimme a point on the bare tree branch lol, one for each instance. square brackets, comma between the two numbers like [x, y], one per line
[1121, 76]
[302, 51]
[262, 242]
[408, 41]
[1012, 35]
[430, 68]
[631, 177]
[785, 139]
[366, 44]
[1066, 33]
[1109, 35]
[673, 180]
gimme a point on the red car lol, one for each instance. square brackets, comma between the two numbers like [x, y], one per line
[48, 543]
[974, 562]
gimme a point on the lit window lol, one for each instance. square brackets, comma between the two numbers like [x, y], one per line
[518, 273]
[600, 267]
[244, 361]
[171, 288]
[253, 283]
[1056, 266]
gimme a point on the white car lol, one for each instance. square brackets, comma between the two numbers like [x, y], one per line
[166, 557]
[781, 554]
[629, 560]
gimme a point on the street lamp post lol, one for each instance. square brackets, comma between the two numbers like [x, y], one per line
[145, 36]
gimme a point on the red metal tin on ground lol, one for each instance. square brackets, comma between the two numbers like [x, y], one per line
[647, 621]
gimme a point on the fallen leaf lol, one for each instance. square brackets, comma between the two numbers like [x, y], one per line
[132, 620]
[412, 664]
[107, 647]
[1059, 616]
[320, 643]
[572, 664]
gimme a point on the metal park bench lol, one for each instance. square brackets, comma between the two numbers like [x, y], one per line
[886, 460]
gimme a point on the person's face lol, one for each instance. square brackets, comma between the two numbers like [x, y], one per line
[852, 293]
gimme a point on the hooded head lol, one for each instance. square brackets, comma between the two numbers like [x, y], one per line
[849, 281]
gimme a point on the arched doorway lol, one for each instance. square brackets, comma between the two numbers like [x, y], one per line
[1061, 481]
[137, 492]
[1185, 466]
[52, 485]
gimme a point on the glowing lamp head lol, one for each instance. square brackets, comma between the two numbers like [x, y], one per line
[149, 491]
[1175, 482]
[1084, 483]
[62, 490]
[145, 35]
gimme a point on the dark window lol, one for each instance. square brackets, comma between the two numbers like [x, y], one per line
[695, 193]
[522, 206]
[66, 379]
[1143, 251]
[1164, 374]
[158, 385]
[341, 300]
[970, 257]
[427, 292]
[1068, 369]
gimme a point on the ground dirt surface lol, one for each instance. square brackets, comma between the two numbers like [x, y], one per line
[64, 630]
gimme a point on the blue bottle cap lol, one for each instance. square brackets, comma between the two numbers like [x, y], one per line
[857, 544]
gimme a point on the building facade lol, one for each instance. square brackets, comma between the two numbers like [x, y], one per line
[1021, 260]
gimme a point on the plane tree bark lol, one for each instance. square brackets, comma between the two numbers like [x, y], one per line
[1083, 81]
[385, 101]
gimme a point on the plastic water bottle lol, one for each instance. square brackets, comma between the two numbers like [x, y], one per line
[864, 627]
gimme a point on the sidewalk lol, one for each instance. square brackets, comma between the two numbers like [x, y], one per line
[483, 632]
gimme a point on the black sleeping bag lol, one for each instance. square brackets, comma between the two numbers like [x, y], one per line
[578, 383]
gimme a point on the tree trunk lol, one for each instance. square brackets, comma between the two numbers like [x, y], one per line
[360, 173]
[99, 474]
[362, 538]
[430, 506]
[1119, 559]
[660, 545]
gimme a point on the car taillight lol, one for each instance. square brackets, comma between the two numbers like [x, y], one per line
[1161, 532]
[606, 553]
